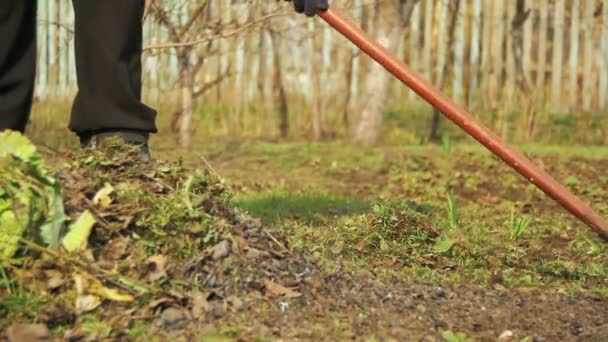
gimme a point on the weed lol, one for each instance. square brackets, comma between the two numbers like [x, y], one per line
[452, 211]
[21, 304]
[11, 285]
[443, 245]
[518, 225]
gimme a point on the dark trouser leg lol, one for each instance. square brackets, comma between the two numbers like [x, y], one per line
[108, 62]
[17, 62]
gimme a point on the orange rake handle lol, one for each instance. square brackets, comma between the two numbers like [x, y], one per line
[464, 120]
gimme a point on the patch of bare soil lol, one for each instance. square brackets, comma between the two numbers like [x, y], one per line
[413, 312]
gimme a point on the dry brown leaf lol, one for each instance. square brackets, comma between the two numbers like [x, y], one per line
[221, 250]
[241, 243]
[28, 332]
[115, 249]
[156, 267]
[254, 253]
[54, 279]
[86, 303]
[200, 305]
[87, 284]
[160, 303]
[276, 290]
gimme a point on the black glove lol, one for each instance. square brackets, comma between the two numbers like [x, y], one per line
[310, 7]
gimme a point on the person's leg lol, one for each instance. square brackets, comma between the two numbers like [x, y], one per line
[108, 41]
[17, 62]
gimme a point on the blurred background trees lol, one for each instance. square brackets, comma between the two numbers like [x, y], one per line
[252, 68]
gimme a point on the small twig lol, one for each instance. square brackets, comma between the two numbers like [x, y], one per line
[276, 241]
[102, 221]
[211, 38]
[208, 165]
[140, 317]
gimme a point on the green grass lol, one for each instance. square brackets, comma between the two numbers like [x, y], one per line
[21, 305]
[277, 207]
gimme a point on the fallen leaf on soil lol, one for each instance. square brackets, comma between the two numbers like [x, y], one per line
[156, 267]
[241, 243]
[173, 318]
[86, 284]
[160, 303]
[28, 333]
[80, 283]
[200, 305]
[276, 290]
[236, 303]
[314, 282]
[506, 335]
[86, 303]
[102, 197]
[78, 236]
[55, 279]
[27, 192]
[253, 253]
[115, 249]
[221, 250]
[111, 294]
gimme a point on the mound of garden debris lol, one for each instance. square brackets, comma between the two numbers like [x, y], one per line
[146, 240]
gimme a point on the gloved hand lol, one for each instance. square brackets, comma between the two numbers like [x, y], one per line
[310, 7]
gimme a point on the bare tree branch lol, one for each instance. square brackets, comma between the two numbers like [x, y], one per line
[213, 37]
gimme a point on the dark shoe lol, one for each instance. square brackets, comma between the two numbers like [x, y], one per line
[132, 138]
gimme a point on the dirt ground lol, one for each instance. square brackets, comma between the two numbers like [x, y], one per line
[358, 307]
[261, 286]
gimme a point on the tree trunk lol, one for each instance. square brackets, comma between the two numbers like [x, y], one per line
[352, 77]
[459, 49]
[542, 49]
[475, 52]
[279, 88]
[428, 40]
[349, 92]
[414, 46]
[315, 75]
[588, 73]
[517, 32]
[603, 100]
[366, 130]
[573, 56]
[444, 68]
[389, 27]
[184, 123]
[558, 52]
